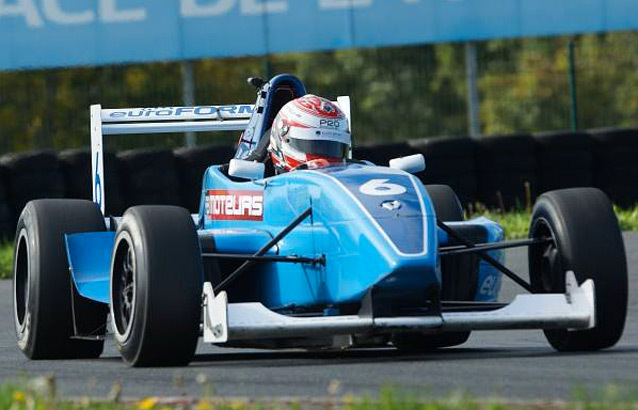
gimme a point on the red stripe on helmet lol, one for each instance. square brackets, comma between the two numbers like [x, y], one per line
[318, 106]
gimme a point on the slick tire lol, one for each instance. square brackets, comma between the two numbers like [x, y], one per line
[448, 209]
[587, 241]
[447, 206]
[41, 283]
[156, 286]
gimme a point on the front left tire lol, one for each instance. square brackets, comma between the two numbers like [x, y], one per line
[156, 286]
[587, 240]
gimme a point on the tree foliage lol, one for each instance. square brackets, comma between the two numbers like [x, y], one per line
[398, 93]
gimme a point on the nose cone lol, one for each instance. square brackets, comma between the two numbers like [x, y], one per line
[393, 202]
[413, 287]
[392, 225]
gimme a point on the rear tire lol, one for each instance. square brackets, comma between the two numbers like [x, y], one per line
[41, 282]
[588, 241]
[156, 286]
[448, 209]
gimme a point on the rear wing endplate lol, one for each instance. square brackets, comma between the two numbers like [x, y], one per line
[127, 121]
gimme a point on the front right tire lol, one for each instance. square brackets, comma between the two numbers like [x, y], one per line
[42, 288]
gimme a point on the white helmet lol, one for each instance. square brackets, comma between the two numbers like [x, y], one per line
[308, 129]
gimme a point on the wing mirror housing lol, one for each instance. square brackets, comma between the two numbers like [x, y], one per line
[412, 163]
[243, 169]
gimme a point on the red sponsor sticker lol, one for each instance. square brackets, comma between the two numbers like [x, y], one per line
[228, 205]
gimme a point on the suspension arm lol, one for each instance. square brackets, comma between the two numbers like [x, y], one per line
[262, 251]
[483, 255]
[461, 249]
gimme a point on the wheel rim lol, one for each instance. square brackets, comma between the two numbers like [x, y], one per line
[549, 277]
[123, 282]
[21, 282]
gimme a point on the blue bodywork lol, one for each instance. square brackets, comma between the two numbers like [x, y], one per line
[375, 226]
[364, 243]
[361, 241]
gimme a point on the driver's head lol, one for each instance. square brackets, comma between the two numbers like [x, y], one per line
[307, 129]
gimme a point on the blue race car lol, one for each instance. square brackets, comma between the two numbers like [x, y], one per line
[345, 255]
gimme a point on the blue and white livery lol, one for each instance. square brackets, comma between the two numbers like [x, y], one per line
[298, 259]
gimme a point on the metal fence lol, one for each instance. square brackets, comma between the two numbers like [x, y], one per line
[398, 93]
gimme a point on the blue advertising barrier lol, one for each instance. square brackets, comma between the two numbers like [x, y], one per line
[50, 33]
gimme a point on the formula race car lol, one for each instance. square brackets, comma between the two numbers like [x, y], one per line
[341, 255]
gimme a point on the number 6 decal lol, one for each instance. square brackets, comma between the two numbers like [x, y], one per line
[380, 187]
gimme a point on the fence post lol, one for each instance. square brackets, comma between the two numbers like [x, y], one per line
[188, 96]
[473, 103]
[573, 107]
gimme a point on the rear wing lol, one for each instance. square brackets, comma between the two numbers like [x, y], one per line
[127, 121]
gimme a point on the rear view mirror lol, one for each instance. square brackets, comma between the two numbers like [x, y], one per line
[240, 168]
[412, 163]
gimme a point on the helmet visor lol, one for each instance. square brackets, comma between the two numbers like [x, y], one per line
[323, 148]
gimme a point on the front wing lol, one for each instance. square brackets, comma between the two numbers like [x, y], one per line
[224, 322]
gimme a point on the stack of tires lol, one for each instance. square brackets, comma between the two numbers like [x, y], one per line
[30, 175]
[616, 163]
[191, 165]
[76, 168]
[149, 177]
[506, 167]
[7, 227]
[564, 160]
[450, 161]
[381, 154]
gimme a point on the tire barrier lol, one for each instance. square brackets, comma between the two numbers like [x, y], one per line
[616, 163]
[381, 154]
[450, 161]
[6, 215]
[30, 175]
[149, 176]
[564, 160]
[7, 224]
[499, 171]
[76, 169]
[191, 165]
[506, 170]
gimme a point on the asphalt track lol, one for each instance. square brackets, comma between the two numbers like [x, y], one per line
[515, 364]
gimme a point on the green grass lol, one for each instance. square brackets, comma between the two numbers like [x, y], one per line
[44, 398]
[515, 223]
[628, 218]
[6, 260]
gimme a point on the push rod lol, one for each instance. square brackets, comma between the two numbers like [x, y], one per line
[262, 251]
[461, 249]
[268, 258]
[487, 258]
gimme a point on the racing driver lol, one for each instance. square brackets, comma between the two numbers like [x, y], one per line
[310, 131]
